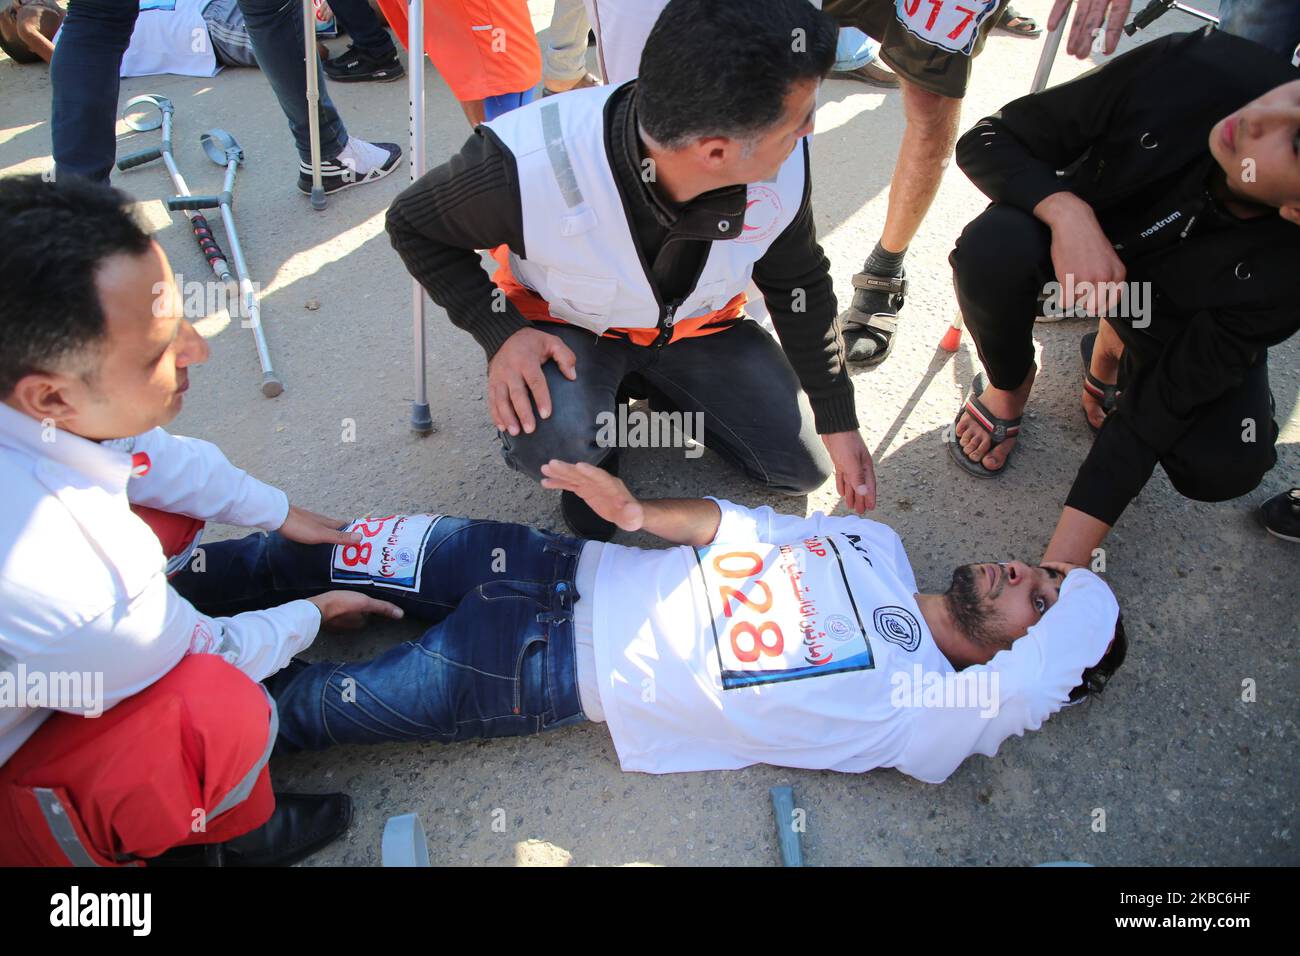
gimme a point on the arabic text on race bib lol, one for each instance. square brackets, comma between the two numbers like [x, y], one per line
[389, 555]
[782, 613]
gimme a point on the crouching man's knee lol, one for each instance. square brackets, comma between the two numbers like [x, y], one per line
[1223, 477]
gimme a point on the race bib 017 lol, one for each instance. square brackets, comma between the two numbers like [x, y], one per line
[948, 24]
[782, 613]
[389, 555]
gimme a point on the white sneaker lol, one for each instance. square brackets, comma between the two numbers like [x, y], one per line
[360, 162]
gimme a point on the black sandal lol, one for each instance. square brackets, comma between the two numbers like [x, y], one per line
[870, 336]
[1028, 26]
[999, 429]
[1105, 393]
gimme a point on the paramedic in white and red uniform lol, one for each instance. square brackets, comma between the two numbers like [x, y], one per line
[628, 223]
[165, 741]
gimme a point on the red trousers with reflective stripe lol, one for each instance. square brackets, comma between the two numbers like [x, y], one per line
[181, 762]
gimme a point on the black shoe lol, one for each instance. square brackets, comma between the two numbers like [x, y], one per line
[871, 320]
[1280, 515]
[578, 516]
[357, 66]
[337, 174]
[301, 824]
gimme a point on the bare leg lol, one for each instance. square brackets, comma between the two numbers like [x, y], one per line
[1106, 354]
[923, 155]
[925, 152]
[474, 111]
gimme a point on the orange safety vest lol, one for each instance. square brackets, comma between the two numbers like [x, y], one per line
[534, 307]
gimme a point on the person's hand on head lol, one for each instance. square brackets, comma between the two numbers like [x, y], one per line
[1088, 18]
[349, 610]
[855, 473]
[516, 380]
[604, 493]
[1063, 568]
[308, 527]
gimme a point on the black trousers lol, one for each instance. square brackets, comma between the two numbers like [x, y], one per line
[1000, 264]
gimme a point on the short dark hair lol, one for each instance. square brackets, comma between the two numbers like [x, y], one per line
[724, 67]
[55, 235]
[1096, 677]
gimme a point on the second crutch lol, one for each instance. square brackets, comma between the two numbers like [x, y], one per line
[223, 150]
[142, 121]
[421, 417]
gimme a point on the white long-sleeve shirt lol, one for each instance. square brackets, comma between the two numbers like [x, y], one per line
[798, 642]
[82, 583]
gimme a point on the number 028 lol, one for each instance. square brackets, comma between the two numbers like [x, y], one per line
[765, 638]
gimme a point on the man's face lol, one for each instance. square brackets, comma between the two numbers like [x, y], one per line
[1258, 148]
[774, 145]
[994, 604]
[136, 379]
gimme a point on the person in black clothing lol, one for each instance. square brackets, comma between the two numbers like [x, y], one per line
[1177, 221]
[723, 100]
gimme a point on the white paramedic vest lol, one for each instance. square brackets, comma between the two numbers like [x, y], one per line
[582, 257]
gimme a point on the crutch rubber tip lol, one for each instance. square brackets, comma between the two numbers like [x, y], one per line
[421, 420]
[271, 385]
[951, 339]
[786, 835]
[318, 198]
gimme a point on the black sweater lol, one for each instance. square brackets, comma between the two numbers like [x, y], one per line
[1134, 133]
[473, 202]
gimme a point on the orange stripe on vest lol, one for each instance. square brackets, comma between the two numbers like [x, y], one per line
[534, 308]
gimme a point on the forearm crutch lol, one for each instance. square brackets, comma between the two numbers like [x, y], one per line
[143, 122]
[223, 150]
[952, 337]
[421, 419]
[313, 101]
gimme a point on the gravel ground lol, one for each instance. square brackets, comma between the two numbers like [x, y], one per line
[1184, 770]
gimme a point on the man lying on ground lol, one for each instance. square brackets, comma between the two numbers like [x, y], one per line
[760, 638]
[1178, 222]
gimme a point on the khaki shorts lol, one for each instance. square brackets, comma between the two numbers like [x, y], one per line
[929, 43]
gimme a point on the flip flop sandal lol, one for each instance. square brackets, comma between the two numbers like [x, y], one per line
[1027, 27]
[999, 429]
[870, 336]
[1104, 392]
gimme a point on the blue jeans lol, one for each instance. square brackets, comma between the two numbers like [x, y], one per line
[498, 661]
[88, 57]
[853, 49]
[1271, 23]
[503, 103]
[365, 29]
[755, 415]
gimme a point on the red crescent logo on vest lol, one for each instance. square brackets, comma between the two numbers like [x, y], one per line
[140, 464]
[762, 213]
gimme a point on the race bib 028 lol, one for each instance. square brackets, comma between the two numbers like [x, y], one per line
[782, 613]
[389, 555]
[948, 24]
